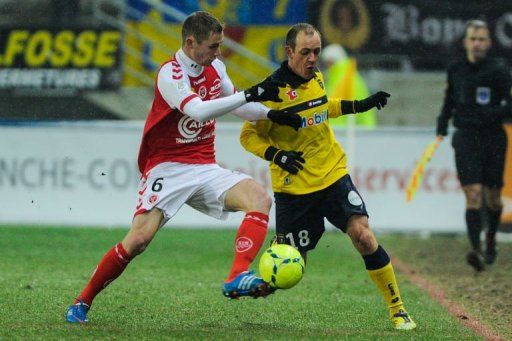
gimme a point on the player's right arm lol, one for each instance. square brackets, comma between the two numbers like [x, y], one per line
[254, 138]
[175, 89]
[447, 108]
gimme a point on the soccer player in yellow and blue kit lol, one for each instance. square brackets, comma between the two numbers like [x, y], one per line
[308, 167]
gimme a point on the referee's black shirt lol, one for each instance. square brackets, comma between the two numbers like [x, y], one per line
[478, 96]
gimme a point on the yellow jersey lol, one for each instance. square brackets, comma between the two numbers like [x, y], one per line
[325, 158]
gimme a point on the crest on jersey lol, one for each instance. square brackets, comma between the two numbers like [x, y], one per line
[483, 95]
[202, 91]
[292, 94]
[152, 199]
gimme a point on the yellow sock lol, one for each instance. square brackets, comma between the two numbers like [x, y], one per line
[385, 280]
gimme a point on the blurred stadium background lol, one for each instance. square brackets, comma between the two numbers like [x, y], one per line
[76, 82]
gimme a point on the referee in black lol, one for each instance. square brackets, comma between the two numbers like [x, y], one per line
[478, 98]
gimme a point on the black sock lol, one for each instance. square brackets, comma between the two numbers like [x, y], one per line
[494, 220]
[474, 225]
[376, 260]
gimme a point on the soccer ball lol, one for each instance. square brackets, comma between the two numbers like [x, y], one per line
[281, 266]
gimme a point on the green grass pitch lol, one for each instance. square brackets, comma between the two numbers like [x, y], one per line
[172, 291]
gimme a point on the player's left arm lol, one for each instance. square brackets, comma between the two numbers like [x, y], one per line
[254, 138]
[377, 100]
[503, 86]
[252, 111]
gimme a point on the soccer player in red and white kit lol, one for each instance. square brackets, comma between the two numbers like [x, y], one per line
[177, 161]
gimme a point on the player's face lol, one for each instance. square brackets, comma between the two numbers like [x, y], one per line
[477, 42]
[304, 58]
[208, 50]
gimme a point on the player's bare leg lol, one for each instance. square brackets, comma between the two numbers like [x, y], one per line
[144, 228]
[250, 197]
[379, 267]
[473, 195]
[494, 207]
[113, 263]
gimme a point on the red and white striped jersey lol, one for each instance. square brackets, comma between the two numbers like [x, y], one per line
[169, 134]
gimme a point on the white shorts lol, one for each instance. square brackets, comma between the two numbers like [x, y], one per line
[169, 185]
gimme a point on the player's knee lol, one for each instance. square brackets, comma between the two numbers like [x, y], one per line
[367, 241]
[361, 234]
[474, 202]
[138, 243]
[137, 240]
[473, 198]
[266, 200]
[261, 199]
[493, 200]
[495, 205]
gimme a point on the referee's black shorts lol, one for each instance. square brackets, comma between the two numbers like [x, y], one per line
[480, 156]
[300, 218]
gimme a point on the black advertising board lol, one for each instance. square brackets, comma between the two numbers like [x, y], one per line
[427, 32]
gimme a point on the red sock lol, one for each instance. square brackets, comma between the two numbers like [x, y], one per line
[110, 267]
[251, 235]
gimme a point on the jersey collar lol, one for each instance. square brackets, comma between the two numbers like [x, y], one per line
[284, 73]
[191, 67]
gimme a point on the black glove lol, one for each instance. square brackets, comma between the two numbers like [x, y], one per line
[268, 90]
[378, 100]
[290, 161]
[286, 118]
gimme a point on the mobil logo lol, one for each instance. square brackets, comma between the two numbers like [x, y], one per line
[315, 119]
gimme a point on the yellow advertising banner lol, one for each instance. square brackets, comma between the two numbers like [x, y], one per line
[56, 58]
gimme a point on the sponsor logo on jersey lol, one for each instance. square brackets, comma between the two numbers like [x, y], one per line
[315, 102]
[483, 95]
[190, 128]
[292, 94]
[243, 244]
[199, 81]
[215, 89]
[316, 119]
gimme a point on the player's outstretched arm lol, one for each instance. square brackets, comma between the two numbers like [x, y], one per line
[257, 111]
[178, 94]
[267, 90]
[377, 100]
